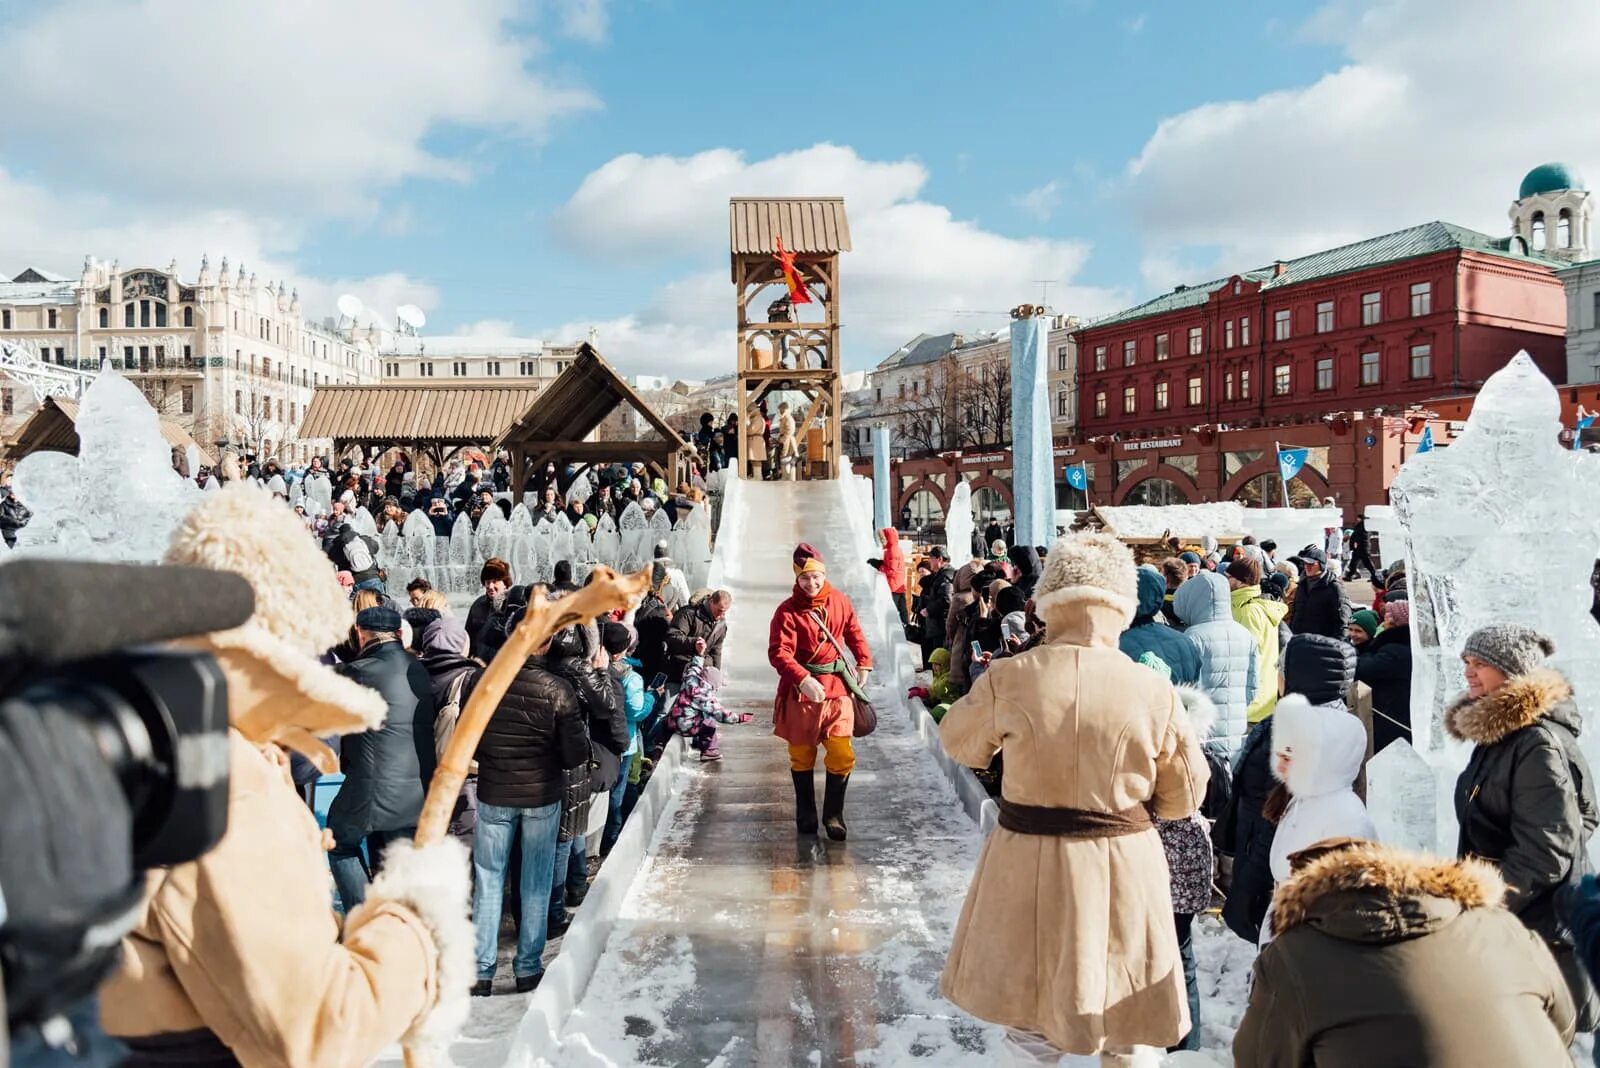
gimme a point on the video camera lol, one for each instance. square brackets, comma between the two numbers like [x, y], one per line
[113, 759]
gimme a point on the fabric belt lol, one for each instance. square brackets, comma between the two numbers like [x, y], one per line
[839, 668]
[193, 1049]
[1076, 823]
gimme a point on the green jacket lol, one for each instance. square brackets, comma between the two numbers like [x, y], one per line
[1261, 618]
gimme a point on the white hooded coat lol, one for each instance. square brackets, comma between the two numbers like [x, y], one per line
[1327, 745]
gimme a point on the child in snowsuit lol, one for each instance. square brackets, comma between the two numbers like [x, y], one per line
[698, 709]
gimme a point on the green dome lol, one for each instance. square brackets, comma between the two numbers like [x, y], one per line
[1548, 178]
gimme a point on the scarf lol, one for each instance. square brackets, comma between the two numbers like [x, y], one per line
[819, 603]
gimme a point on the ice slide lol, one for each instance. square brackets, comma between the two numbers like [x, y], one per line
[739, 943]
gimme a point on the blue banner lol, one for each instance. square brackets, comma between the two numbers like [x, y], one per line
[1078, 477]
[1583, 424]
[1426, 444]
[1290, 461]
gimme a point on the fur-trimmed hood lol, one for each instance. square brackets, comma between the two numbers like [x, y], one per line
[1371, 893]
[1325, 742]
[278, 690]
[1521, 702]
[1200, 710]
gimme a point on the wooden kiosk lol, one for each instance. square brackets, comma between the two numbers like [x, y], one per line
[788, 248]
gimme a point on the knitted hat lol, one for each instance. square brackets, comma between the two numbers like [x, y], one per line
[1366, 619]
[378, 617]
[1397, 614]
[1189, 557]
[616, 637]
[808, 559]
[1510, 647]
[1088, 567]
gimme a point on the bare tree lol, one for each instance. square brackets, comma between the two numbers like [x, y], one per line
[988, 400]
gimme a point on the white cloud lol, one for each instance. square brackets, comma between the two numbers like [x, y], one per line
[1429, 118]
[915, 267]
[299, 105]
[487, 328]
[1040, 202]
[584, 19]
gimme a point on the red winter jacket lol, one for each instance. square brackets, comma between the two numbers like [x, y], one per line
[894, 561]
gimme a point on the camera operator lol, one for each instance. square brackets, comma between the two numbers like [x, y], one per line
[237, 957]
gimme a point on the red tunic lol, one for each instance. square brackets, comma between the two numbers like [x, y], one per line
[796, 641]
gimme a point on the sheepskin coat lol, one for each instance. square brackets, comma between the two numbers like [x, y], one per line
[1227, 653]
[1526, 799]
[1073, 938]
[1381, 963]
[243, 943]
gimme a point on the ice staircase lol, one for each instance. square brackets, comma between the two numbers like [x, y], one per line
[740, 943]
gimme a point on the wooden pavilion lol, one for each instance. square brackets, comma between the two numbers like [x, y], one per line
[434, 420]
[54, 428]
[558, 424]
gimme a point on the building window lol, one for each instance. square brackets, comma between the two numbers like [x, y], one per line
[127, 314]
[1564, 229]
[238, 402]
[1422, 298]
[1061, 360]
[105, 318]
[1244, 384]
[1596, 298]
[102, 354]
[1130, 400]
[188, 316]
[188, 353]
[1538, 231]
[1099, 358]
[144, 357]
[1371, 309]
[161, 314]
[7, 405]
[1161, 396]
[425, 370]
[280, 409]
[1227, 334]
[1130, 351]
[1280, 325]
[1244, 330]
[266, 367]
[127, 357]
[1161, 346]
[459, 368]
[1197, 393]
[1227, 386]
[1421, 361]
[494, 367]
[188, 400]
[51, 315]
[1100, 403]
[1196, 342]
[1061, 404]
[144, 313]
[1325, 373]
[1371, 372]
[1281, 380]
[5, 319]
[294, 412]
[528, 369]
[1325, 317]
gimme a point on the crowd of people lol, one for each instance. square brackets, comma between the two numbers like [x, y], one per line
[1164, 741]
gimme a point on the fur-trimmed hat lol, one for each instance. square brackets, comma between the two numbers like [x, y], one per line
[277, 689]
[1088, 567]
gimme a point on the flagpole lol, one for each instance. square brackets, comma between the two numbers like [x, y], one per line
[1277, 458]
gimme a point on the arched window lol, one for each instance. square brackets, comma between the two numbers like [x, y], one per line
[1157, 492]
[1538, 231]
[105, 318]
[988, 504]
[188, 315]
[1266, 491]
[926, 511]
[1564, 229]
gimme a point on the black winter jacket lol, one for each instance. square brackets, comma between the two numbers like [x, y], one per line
[652, 624]
[691, 623]
[1321, 607]
[536, 734]
[1385, 665]
[937, 591]
[1247, 835]
[1319, 669]
[347, 549]
[1526, 800]
[386, 770]
[599, 698]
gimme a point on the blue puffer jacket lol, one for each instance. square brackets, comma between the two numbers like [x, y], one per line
[1149, 634]
[1227, 653]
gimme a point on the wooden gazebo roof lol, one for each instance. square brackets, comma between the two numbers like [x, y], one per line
[54, 428]
[436, 417]
[814, 226]
[559, 421]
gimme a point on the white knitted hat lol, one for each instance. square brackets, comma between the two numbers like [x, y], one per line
[1088, 567]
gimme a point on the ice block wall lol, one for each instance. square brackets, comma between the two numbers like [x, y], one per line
[1032, 452]
[882, 479]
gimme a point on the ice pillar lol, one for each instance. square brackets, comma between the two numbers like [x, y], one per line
[1032, 481]
[882, 495]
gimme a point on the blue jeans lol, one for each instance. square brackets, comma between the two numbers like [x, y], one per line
[608, 837]
[351, 872]
[491, 852]
[571, 874]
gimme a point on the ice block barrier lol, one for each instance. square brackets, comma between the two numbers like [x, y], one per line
[739, 942]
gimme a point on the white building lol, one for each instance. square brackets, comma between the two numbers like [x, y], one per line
[226, 356]
[410, 357]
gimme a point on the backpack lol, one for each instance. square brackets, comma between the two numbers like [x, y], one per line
[448, 714]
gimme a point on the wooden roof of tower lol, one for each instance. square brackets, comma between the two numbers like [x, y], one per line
[814, 226]
[53, 428]
[578, 401]
[447, 414]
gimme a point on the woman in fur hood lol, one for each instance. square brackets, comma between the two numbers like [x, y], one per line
[1526, 800]
[238, 957]
[1386, 958]
[1066, 938]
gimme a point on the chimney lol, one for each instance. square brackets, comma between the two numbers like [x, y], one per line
[1278, 268]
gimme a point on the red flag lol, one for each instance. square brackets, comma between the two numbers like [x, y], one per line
[798, 294]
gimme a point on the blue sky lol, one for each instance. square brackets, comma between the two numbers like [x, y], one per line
[541, 168]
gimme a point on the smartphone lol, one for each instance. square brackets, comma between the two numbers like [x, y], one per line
[977, 651]
[659, 682]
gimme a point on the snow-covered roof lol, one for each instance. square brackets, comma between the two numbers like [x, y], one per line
[1221, 519]
[37, 274]
[444, 346]
[37, 293]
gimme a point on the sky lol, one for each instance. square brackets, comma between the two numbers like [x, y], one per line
[544, 167]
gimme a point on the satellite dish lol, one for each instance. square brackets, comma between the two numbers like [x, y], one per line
[349, 306]
[411, 315]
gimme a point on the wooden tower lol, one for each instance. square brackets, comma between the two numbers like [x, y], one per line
[790, 345]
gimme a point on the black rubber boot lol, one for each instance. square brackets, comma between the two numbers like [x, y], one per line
[833, 807]
[805, 802]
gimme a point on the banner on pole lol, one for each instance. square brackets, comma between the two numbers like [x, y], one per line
[1078, 477]
[1585, 421]
[1426, 444]
[1290, 461]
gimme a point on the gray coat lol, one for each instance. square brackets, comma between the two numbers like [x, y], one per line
[1227, 652]
[386, 769]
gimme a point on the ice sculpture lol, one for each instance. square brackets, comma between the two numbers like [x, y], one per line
[1503, 526]
[580, 490]
[319, 493]
[607, 542]
[959, 526]
[80, 513]
[635, 530]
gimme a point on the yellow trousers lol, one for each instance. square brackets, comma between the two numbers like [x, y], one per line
[840, 758]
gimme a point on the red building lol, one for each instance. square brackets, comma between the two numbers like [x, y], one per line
[1382, 323]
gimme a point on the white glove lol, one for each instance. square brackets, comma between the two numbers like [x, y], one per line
[811, 690]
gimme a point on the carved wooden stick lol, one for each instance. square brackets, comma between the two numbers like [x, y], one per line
[607, 592]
